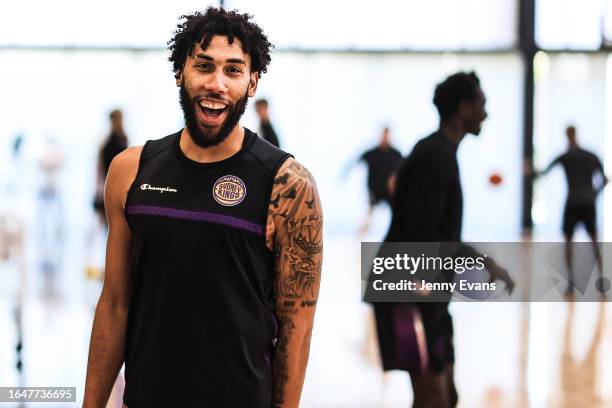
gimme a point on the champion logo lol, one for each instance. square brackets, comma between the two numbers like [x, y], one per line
[161, 190]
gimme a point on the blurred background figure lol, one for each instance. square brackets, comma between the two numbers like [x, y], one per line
[382, 161]
[266, 130]
[580, 167]
[11, 167]
[13, 255]
[115, 143]
[50, 213]
[428, 207]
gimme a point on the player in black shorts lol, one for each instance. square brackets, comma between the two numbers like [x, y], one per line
[382, 162]
[580, 167]
[427, 207]
[215, 245]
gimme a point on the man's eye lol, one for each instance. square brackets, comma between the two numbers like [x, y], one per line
[203, 66]
[235, 70]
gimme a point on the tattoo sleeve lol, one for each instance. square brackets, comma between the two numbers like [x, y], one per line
[294, 233]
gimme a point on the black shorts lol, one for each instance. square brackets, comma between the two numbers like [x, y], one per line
[576, 213]
[415, 336]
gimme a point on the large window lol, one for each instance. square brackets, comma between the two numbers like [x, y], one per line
[608, 22]
[393, 24]
[108, 23]
[569, 24]
[66, 96]
[329, 108]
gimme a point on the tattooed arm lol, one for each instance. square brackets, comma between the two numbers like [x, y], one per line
[295, 234]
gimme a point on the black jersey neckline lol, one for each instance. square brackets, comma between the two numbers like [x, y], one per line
[249, 139]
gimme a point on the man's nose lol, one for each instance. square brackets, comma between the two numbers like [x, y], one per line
[216, 82]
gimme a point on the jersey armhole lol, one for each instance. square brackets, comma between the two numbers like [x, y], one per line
[150, 149]
[138, 171]
[274, 172]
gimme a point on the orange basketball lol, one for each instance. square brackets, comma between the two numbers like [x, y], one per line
[495, 179]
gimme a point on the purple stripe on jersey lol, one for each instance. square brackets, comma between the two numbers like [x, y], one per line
[196, 216]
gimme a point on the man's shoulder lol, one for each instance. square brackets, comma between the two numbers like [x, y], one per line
[294, 199]
[395, 152]
[126, 160]
[294, 172]
[433, 139]
[432, 146]
[368, 153]
[268, 155]
[578, 155]
[132, 156]
[589, 154]
[122, 173]
[156, 146]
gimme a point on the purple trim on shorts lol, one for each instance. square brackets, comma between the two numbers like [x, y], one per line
[268, 352]
[275, 321]
[407, 352]
[228, 220]
[268, 356]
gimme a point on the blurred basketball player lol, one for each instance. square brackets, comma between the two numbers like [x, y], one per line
[265, 126]
[427, 207]
[580, 167]
[115, 143]
[382, 162]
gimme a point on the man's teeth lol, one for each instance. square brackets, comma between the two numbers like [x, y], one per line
[212, 105]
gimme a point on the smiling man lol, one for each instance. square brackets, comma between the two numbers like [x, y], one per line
[215, 245]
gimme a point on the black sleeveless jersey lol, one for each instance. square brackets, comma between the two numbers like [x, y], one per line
[201, 328]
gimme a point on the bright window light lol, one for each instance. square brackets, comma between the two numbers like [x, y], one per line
[569, 24]
[393, 24]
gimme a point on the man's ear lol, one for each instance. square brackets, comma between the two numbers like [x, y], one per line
[179, 78]
[465, 108]
[253, 84]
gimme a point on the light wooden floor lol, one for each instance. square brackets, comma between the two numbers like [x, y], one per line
[508, 354]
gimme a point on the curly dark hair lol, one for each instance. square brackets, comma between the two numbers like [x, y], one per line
[461, 86]
[201, 27]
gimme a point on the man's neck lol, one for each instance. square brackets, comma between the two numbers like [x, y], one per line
[453, 131]
[230, 146]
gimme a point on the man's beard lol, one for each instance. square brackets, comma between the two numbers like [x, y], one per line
[207, 139]
[476, 127]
